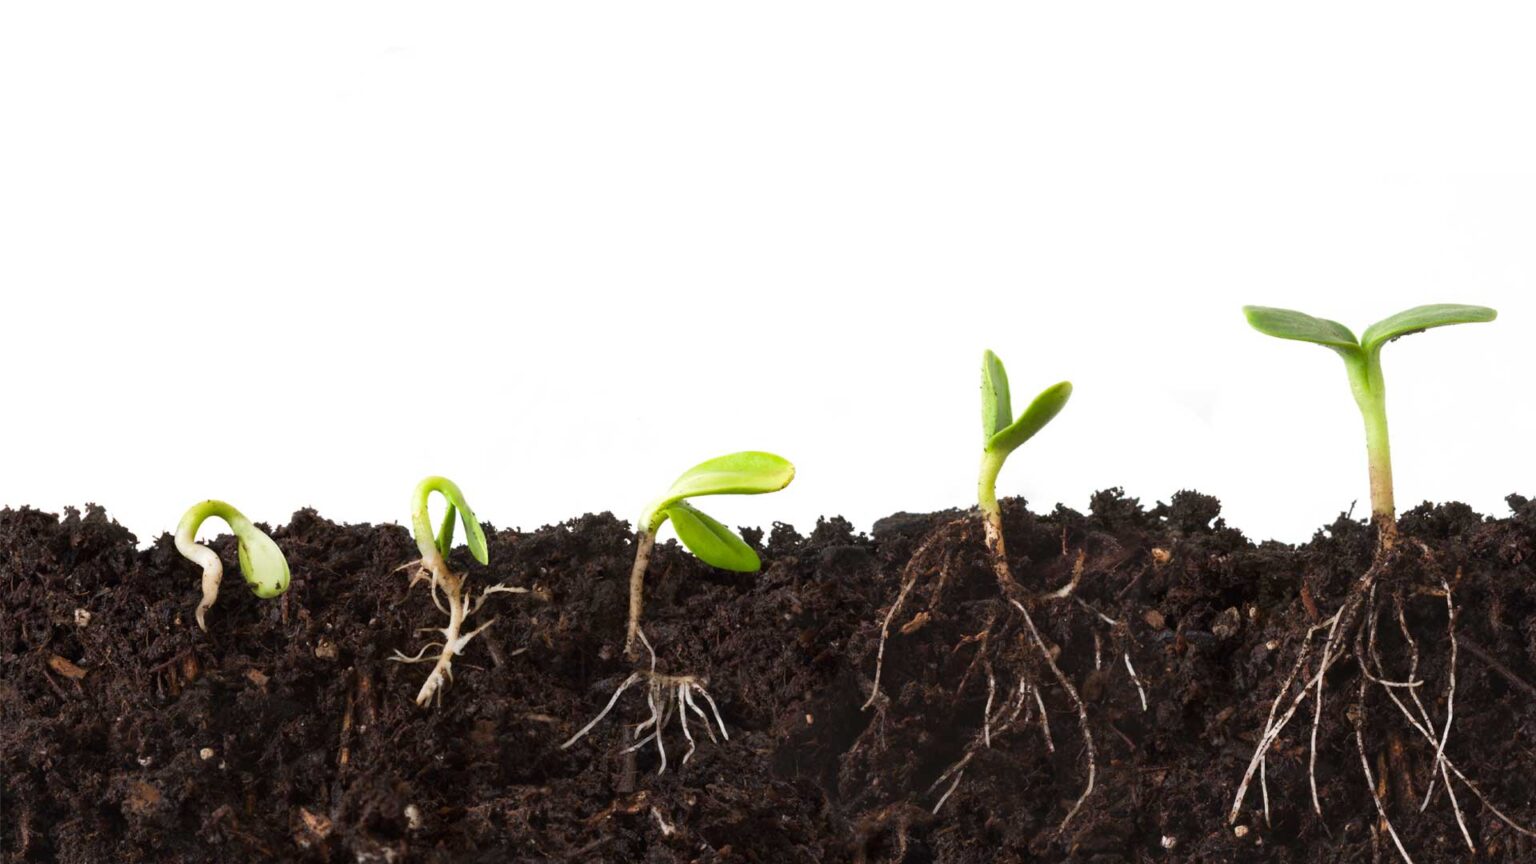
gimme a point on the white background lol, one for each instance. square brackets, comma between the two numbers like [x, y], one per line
[303, 254]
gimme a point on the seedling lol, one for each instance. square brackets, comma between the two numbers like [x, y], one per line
[1002, 653]
[261, 562]
[1362, 363]
[1001, 435]
[1352, 630]
[456, 602]
[745, 473]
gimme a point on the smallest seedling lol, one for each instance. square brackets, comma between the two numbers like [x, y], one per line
[261, 562]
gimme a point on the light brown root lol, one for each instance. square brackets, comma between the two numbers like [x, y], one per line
[1066, 590]
[910, 574]
[458, 604]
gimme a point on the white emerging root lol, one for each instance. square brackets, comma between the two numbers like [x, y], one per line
[458, 604]
[664, 694]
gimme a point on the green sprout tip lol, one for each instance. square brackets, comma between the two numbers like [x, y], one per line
[261, 562]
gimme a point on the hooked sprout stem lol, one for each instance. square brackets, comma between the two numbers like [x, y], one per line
[262, 563]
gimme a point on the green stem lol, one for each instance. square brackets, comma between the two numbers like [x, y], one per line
[1365, 380]
[986, 485]
[992, 519]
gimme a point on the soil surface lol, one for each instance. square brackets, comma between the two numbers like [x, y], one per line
[286, 732]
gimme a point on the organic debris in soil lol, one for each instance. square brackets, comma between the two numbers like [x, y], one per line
[285, 732]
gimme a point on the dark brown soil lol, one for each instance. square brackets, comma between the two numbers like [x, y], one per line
[286, 733]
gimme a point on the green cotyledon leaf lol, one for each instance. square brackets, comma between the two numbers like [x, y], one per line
[1421, 318]
[1290, 324]
[996, 410]
[262, 563]
[1041, 411]
[749, 472]
[715, 544]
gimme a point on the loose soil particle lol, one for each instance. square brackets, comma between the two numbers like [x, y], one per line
[287, 733]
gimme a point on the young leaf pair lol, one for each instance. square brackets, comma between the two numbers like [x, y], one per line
[746, 473]
[1362, 363]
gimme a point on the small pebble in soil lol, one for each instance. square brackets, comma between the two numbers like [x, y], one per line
[1240, 831]
[206, 753]
[1169, 841]
[82, 618]
[413, 817]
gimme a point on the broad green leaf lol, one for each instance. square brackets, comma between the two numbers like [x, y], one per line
[1421, 318]
[715, 544]
[1290, 324]
[746, 473]
[1040, 412]
[261, 562]
[996, 412]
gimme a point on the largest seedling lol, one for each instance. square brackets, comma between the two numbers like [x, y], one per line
[1004, 650]
[1352, 630]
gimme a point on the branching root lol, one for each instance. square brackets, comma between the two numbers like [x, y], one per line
[451, 597]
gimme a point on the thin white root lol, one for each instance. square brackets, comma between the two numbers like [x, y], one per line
[633, 677]
[956, 772]
[914, 569]
[1317, 718]
[1137, 681]
[1271, 727]
[663, 695]
[1066, 590]
[1045, 722]
[1082, 710]
[1450, 688]
[1370, 781]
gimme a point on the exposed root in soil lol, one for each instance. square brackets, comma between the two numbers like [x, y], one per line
[1352, 633]
[1009, 640]
[664, 694]
[458, 604]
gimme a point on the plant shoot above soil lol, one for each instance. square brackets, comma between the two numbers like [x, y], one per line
[746, 473]
[1010, 647]
[1362, 362]
[261, 562]
[1002, 434]
[455, 601]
